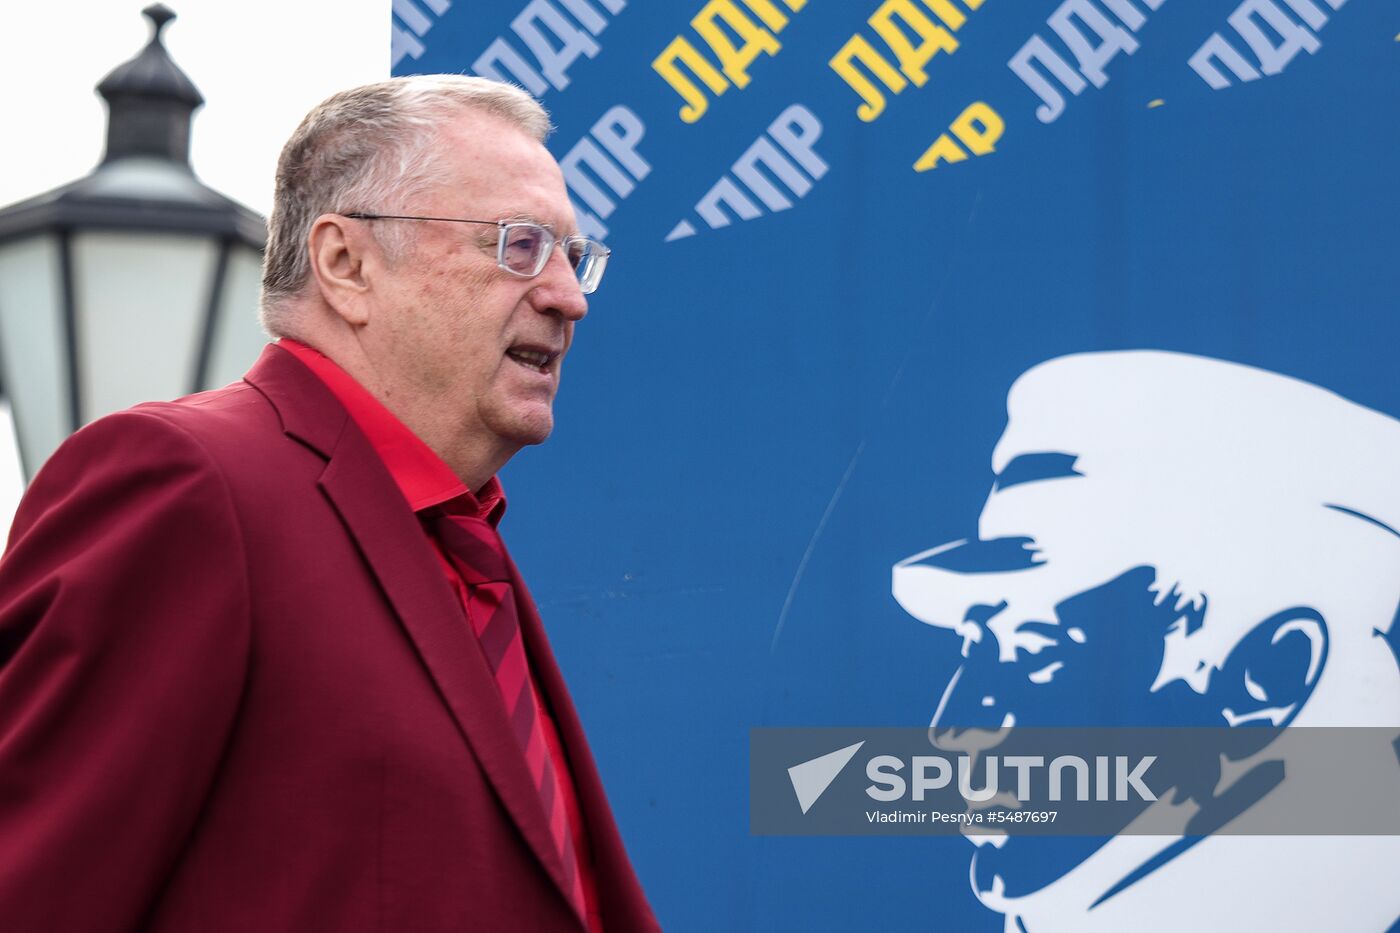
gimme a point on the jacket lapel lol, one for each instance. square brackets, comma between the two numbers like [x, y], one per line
[398, 553]
[622, 901]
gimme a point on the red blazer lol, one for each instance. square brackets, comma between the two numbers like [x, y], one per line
[237, 694]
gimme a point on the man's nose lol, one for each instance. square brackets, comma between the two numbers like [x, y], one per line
[557, 289]
[971, 716]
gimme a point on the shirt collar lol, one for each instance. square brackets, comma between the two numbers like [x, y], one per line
[421, 475]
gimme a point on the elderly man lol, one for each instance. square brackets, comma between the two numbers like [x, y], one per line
[1179, 541]
[266, 664]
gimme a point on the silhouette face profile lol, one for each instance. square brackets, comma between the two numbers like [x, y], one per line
[1162, 545]
[1093, 659]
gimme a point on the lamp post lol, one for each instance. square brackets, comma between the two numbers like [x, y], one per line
[135, 282]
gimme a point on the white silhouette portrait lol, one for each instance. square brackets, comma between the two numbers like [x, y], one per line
[1176, 541]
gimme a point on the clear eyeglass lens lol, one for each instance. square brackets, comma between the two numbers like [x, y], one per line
[524, 248]
[590, 269]
[578, 250]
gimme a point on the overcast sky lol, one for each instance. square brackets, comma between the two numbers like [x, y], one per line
[260, 65]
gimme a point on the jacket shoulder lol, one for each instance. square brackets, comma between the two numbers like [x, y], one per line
[237, 409]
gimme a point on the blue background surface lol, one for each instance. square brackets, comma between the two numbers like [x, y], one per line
[758, 421]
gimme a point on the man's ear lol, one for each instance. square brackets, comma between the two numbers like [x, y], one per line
[1271, 673]
[343, 252]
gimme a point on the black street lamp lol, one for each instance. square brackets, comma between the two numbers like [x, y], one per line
[136, 282]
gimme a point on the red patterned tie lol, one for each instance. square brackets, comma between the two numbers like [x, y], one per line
[478, 555]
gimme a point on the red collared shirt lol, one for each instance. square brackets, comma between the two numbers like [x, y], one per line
[425, 481]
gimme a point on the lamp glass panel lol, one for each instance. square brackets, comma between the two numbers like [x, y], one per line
[33, 346]
[238, 337]
[141, 301]
[11, 472]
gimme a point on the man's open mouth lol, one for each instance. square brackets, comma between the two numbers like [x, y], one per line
[538, 360]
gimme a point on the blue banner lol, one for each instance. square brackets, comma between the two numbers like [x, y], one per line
[974, 362]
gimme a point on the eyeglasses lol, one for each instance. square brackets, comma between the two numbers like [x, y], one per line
[523, 248]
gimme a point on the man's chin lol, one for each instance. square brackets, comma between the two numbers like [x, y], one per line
[533, 437]
[526, 426]
[1023, 865]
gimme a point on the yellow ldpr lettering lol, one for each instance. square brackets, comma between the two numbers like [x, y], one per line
[734, 59]
[696, 103]
[912, 58]
[772, 17]
[978, 128]
[952, 17]
[944, 149]
[843, 63]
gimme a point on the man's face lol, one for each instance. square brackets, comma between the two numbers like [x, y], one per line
[1156, 551]
[1051, 633]
[469, 351]
[1091, 662]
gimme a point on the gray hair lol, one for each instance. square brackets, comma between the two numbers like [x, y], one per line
[369, 148]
